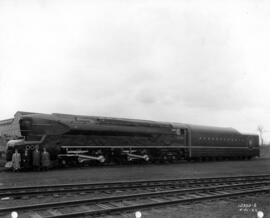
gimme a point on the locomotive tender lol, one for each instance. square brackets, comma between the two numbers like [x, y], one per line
[73, 139]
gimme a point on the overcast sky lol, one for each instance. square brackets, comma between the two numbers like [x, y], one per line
[201, 62]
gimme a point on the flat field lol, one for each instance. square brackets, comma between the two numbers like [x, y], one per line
[240, 207]
[137, 172]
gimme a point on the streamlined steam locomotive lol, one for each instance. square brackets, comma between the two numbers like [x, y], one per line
[72, 139]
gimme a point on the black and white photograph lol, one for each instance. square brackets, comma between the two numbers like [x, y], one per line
[134, 109]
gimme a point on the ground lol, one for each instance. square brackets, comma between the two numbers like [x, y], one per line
[137, 172]
[265, 151]
[222, 209]
[233, 208]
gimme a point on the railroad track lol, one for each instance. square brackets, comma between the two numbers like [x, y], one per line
[24, 191]
[190, 191]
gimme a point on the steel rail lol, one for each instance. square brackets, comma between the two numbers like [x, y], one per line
[64, 188]
[134, 196]
[155, 204]
[164, 185]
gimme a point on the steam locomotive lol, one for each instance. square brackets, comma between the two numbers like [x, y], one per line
[72, 140]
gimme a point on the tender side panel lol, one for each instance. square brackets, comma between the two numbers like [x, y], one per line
[221, 142]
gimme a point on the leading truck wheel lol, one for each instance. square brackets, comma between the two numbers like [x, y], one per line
[62, 163]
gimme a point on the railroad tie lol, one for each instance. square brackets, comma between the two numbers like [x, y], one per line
[104, 206]
[35, 215]
[85, 207]
[54, 212]
[157, 200]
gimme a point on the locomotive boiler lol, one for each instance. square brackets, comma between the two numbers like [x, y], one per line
[73, 139]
